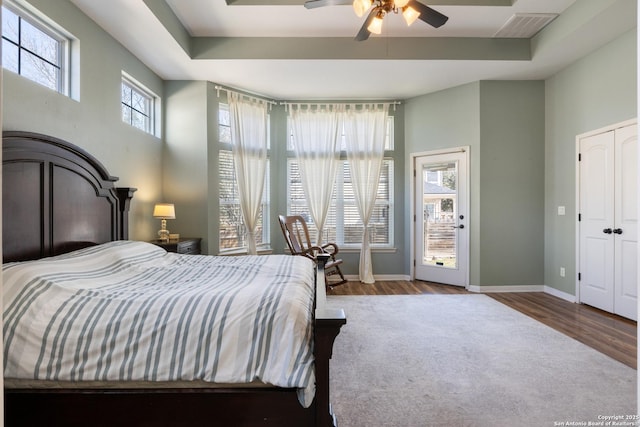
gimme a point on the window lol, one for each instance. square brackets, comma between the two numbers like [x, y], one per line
[388, 140]
[138, 105]
[232, 230]
[343, 225]
[34, 49]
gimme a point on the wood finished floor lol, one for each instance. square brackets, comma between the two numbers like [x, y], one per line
[610, 334]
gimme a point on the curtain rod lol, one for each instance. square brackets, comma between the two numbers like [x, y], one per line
[218, 88]
[358, 102]
[287, 104]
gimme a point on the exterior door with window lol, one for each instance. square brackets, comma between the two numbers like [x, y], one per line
[441, 218]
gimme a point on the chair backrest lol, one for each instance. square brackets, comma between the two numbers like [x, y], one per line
[296, 233]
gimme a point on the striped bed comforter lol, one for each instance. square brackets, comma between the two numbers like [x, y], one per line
[129, 311]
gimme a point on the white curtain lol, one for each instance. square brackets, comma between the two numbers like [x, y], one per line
[248, 119]
[365, 131]
[316, 132]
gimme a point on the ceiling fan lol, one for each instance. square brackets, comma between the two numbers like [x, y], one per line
[411, 10]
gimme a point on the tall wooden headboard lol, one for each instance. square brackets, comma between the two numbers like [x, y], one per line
[56, 198]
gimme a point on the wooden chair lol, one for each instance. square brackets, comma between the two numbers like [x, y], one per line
[297, 237]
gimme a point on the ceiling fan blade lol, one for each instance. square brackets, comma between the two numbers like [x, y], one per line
[364, 32]
[312, 4]
[428, 15]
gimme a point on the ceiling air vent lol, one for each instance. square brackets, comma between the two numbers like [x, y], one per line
[525, 25]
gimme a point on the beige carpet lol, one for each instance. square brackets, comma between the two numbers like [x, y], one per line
[466, 360]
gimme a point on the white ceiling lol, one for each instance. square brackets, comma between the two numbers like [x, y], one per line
[215, 18]
[315, 73]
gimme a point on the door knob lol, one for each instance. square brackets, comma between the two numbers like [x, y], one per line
[459, 226]
[617, 230]
[607, 231]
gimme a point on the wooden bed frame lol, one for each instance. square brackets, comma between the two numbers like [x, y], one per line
[58, 198]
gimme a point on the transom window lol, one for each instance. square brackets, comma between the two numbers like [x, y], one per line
[34, 49]
[388, 139]
[138, 105]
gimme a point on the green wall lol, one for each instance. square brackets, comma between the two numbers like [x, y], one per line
[511, 183]
[185, 178]
[93, 118]
[598, 90]
[503, 124]
[523, 159]
[446, 119]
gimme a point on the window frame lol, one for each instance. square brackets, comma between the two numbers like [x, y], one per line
[53, 31]
[151, 99]
[265, 245]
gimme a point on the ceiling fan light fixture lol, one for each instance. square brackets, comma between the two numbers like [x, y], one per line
[376, 25]
[410, 15]
[400, 3]
[361, 6]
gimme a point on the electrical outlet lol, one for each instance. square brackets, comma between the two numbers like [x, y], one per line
[562, 272]
[561, 210]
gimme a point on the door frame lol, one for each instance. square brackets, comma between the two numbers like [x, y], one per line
[579, 137]
[412, 202]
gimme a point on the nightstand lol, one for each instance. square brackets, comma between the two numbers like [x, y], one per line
[183, 245]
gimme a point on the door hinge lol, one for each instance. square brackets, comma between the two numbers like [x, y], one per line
[414, 262]
[414, 217]
[579, 217]
[414, 173]
[579, 276]
[579, 157]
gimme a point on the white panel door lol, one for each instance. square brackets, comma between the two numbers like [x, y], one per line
[626, 222]
[596, 222]
[608, 228]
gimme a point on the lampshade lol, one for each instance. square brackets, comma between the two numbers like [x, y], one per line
[400, 3]
[410, 15]
[376, 25]
[164, 211]
[361, 6]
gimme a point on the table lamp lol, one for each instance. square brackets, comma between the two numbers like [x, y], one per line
[164, 211]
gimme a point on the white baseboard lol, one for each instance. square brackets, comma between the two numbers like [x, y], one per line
[380, 277]
[560, 294]
[524, 288]
[480, 289]
[496, 289]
